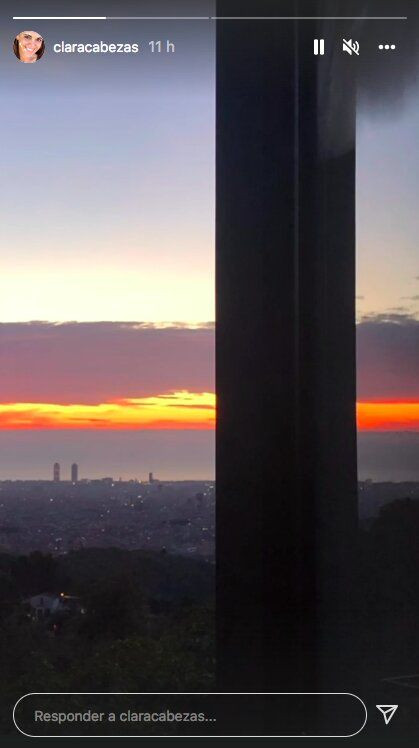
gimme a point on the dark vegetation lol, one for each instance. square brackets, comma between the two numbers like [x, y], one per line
[147, 624]
[387, 592]
[148, 620]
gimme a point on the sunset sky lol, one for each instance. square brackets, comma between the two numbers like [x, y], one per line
[107, 253]
[388, 267]
[107, 259]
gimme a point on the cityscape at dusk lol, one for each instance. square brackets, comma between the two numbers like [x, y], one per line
[177, 517]
[107, 406]
[170, 527]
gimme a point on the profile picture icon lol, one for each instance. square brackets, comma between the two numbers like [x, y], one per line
[29, 46]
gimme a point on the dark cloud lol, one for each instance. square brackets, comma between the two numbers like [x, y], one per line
[97, 362]
[385, 81]
[388, 357]
[102, 361]
[396, 317]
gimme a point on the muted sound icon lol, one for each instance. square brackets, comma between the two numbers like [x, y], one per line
[350, 47]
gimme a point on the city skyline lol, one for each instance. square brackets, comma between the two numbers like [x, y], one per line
[70, 474]
[170, 455]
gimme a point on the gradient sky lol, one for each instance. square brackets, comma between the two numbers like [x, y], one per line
[107, 185]
[107, 257]
[387, 214]
[107, 238]
[388, 288]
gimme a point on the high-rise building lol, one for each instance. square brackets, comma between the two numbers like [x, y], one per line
[150, 478]
[74, 472]
[56, 472]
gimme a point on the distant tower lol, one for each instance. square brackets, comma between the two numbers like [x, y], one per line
[150, 478]
[74, 472]
[56, 472]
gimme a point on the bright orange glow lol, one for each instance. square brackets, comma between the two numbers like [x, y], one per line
[175, 410]
[388, 416]
[172, 410]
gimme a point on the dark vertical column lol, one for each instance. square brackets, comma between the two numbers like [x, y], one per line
[261, 586]
[286, 470]
[326, 339]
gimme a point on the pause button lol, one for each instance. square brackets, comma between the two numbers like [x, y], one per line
[319, 46]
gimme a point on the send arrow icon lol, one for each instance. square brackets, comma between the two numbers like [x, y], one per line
[387, 710]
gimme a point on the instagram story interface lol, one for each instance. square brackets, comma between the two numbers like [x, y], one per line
[209, 201]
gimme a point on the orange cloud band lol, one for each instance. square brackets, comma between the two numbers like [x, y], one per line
[174, 410]
[388, 416]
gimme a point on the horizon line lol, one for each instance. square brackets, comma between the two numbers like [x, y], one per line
[108, 478]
